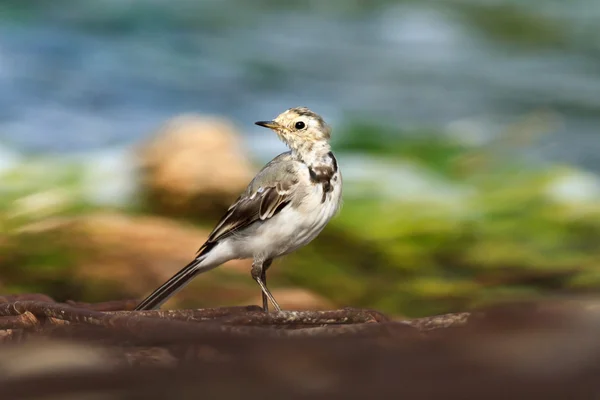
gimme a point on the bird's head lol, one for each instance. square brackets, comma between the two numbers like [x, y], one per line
[299, 128]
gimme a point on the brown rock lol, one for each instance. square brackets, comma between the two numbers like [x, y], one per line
[193, 166]
[133, 255]
[294, 299]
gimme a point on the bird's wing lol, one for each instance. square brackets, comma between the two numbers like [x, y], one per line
[270, 191]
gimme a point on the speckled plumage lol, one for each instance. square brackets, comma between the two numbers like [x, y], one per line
[284, 207]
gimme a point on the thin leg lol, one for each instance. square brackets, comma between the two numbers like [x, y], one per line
[263, 277]
[257, 275]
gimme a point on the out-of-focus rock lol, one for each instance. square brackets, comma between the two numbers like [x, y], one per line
[294, 299]
[142, 251]
[193, 166]
[131, 254]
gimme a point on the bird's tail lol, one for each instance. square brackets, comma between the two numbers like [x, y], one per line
[172, 286]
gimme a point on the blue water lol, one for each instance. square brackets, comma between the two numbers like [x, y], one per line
[88, 75]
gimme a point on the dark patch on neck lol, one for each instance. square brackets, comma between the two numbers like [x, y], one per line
[322, 174]
[333, 161]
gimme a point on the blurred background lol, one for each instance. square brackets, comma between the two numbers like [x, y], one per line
[467, 133]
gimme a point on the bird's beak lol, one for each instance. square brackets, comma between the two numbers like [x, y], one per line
[268, 124]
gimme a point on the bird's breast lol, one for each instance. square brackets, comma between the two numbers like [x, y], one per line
[324, 174]
[322, 201]
[298, 225]
[314, 204]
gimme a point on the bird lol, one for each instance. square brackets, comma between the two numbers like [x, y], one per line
[284, 207]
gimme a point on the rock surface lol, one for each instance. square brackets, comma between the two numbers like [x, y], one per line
[295, 299]
[494, 353]
[193, 166]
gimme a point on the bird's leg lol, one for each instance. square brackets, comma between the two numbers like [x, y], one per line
[263, 277]
[259, 269]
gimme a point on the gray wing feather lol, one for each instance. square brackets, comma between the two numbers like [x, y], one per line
[272, 202]
[269, 192]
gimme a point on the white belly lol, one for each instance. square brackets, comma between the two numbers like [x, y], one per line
[292, 228]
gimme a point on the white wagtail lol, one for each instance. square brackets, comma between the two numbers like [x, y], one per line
[285, 206]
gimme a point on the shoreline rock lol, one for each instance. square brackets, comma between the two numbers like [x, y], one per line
[193, 166]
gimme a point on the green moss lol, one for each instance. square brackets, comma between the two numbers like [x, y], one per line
[34, 263]
[509, 238]
[515, 25]
[421, 147]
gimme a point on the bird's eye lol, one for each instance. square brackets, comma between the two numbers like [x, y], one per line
[300, 125]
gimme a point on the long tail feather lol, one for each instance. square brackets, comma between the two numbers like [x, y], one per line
[172, 286]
